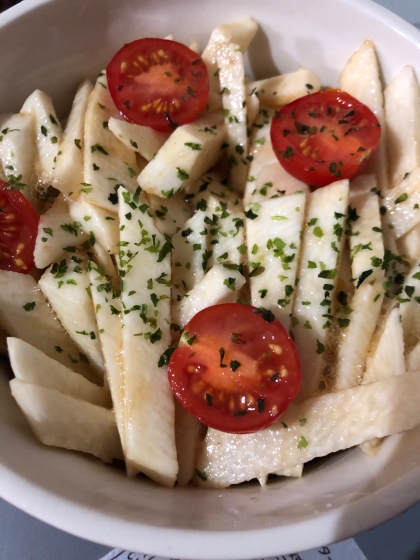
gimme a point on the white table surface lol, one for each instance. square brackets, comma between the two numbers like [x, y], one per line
[24, 538]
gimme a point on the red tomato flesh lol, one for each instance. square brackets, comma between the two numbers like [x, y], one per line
[18, 230]
[158, 83]
[236, 368]
[325, 137]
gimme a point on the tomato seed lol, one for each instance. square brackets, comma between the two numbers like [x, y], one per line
[276, 349]
[283, 372]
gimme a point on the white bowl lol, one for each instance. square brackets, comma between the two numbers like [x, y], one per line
[53, 45]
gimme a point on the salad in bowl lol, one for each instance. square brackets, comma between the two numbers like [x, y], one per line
[211, 276]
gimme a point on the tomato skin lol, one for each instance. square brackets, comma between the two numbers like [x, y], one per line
[158, 83]
[18, 230]
[240, 370]
[324, 137]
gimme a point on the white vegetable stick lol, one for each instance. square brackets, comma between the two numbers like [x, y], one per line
[361, 79]
[25, 314]
[17, 152]
[189, 255]
[226, 228]
[107, 162]
[150, 417]
[66, 286]
[283, 89]
[410, 307]
[188, 431]
[142, 139]
[241, 33]
[170, 214]
[252, 110]
[190, 151]
[403, 204]
[33, 366]
[56, 231]
[352, 416]
[48, 134]
[219, 285]
[367, 254]
[103, 223]
[232, 86]
[409, 245]
[387, 359]
[267, 177]
[212, 182]
[412, 360]
[321, 247]
[273, 247]
[194, 46]
[402, 112]
[108, 317]
[104, 260]
[63, 421]
[68, 172]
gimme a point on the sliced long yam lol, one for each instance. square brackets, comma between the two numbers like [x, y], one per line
[412, 360]
[352, 416]
[104, 224]
[213, 182]
[66, 285]
[409, 245]
[25, 314]
[402, 113]
[273, 240]
[190, 151]
[226, 229]
[33, 366]
[108, 312]
[361, 79]
[321, 247]
[189, 255]
[361, 314]
[409, 300]
[58, 233]
[141, 139]
[387, 359]
[232, 86]
[48, 134]
[145, 266]
[219, 285]
[107, 162]
[283, 89]
[267, 178]
[63, 421]
[403, 204]
[170, 214]
[240, 32]
[68, 172]
[17, 153]
[188, 432]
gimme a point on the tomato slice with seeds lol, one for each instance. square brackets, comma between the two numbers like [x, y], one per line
[18, 230]
[236, 368]
[324, 137]
[158, 83]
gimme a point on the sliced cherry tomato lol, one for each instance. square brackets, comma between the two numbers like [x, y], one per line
[18, 230]
[324, 137]
[236, 368]
[158, 83]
